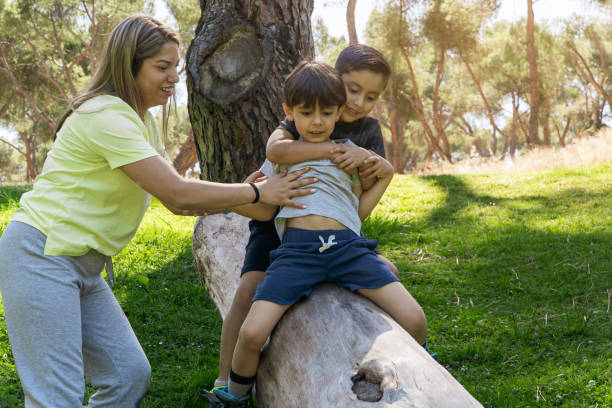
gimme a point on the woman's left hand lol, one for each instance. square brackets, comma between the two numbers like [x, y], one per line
[279, 190]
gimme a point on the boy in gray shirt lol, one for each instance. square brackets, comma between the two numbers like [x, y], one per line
[320, 242]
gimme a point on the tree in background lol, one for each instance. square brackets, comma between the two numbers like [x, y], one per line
[396, 32]
[588, 54]
[47, 54]
[350, 21]
[534, 91]
[236, 66]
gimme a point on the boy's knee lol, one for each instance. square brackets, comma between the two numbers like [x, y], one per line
[416, 324]
[246, 290]
[244, 295]
[251, 338]
[393, 268]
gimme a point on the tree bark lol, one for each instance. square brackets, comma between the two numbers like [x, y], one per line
[546, 119]
[186, 157]
[350, 21]
[534, 102]
[334, 349]
[236, 66]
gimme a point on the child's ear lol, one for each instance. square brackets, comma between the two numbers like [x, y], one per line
[288, 111]
[340, 110]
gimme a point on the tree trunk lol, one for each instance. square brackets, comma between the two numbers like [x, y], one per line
[437, 106]
[417, 104]
[397, 139]
[546, 119]
[534, 101]
[563, 135]
[494, 143]
[485, 101]
[30, 156]
[334, 349]
[350, 21]
[186, 157]
[236, 66]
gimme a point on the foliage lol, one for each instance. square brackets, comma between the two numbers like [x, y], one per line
[327, 46]
[187, 14]
[466, 77]
[48, 52]
[513, 272]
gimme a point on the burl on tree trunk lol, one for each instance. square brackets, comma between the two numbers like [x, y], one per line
[236, 66]
[335, 349]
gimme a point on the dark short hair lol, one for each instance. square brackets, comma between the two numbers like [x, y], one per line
[313, 82]
[358, 57]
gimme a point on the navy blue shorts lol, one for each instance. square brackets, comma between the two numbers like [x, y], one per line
[308, 258]
[262, 240]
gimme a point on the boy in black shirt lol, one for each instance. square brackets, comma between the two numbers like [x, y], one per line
[365, 74]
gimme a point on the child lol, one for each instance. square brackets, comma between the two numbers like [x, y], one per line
[365, 73]
[320, 242]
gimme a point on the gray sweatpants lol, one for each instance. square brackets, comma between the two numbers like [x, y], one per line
[65, 324]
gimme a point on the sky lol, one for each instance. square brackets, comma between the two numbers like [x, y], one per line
[333, 13]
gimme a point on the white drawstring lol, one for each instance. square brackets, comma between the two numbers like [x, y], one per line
[110, 273]
[326, 245]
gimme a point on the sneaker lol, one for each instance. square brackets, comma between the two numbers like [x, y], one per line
[433, 355]
[227, 400]
[213, 401]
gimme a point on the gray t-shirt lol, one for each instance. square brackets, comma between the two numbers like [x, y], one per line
[334, 197]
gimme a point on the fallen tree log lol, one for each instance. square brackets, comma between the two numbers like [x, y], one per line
[335, 349]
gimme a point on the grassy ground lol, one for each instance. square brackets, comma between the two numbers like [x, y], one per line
[514, 272]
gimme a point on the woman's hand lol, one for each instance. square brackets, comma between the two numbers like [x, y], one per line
[349, 158]
[279, 190]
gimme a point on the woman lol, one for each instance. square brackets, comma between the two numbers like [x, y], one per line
[62, 318]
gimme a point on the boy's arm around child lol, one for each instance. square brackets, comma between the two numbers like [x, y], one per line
[380, 178]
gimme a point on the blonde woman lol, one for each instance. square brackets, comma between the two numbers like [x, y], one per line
[63, 321]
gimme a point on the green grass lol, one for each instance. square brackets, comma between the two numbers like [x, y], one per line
[514, 272]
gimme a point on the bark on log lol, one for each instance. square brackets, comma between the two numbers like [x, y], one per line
[335, 349]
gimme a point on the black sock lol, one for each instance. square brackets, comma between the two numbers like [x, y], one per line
[239, 385]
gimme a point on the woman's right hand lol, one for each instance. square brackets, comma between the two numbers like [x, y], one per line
[279, 189]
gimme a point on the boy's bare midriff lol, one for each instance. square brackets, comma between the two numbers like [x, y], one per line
[315, 222]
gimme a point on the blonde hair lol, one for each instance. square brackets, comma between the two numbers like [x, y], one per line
[133, 40]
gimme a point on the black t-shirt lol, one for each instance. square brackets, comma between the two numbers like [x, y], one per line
[364, 132]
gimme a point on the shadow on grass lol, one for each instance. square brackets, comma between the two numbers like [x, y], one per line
[178, 327]
[504, 296]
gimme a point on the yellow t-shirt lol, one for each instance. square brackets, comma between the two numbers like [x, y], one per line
[81, 200]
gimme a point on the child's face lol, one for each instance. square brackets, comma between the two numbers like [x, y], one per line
[314, 124]
[363, 88]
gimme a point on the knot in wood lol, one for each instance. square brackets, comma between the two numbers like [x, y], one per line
[234, 68]
[366, 389]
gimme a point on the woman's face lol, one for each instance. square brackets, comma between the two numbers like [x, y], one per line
[156, 78]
